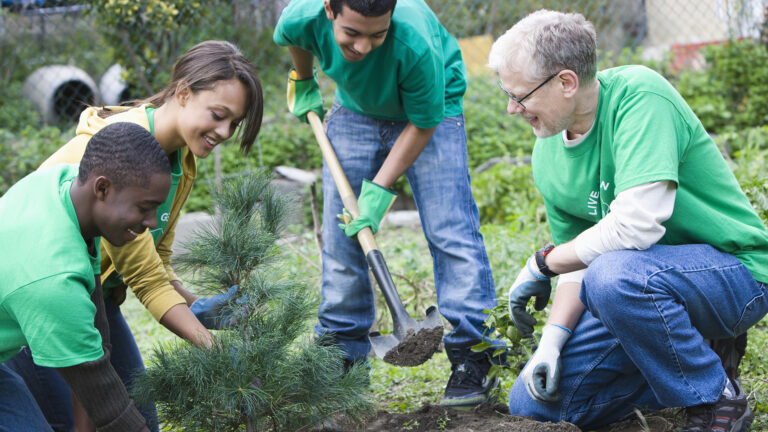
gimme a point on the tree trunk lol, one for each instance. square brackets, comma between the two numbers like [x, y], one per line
[249, 425]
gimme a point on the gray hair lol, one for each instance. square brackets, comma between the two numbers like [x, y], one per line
[546, 42]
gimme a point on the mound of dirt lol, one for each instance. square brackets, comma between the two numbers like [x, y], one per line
[433, 418]
[488, 418]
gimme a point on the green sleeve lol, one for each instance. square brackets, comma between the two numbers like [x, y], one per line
[649, 140]
[296, 25]
[56, 316]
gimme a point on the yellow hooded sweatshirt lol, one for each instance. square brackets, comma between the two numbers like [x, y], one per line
[144, 265]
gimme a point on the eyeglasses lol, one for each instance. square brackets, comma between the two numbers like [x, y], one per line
[520, 101]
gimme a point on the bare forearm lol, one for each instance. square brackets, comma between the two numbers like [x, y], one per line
[566, 306]
[407, 148]
[181, 321]
[563, 259]
[302, 62]
[188, 296]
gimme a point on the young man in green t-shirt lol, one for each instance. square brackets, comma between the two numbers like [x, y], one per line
[657, 247]
[400, 82]
[50, 298]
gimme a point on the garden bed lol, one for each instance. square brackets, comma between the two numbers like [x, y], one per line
[485, 418]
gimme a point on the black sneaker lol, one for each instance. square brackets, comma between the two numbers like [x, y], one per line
[726, 415]
[469, 384]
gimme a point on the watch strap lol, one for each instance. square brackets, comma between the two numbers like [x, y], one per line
[540, 256]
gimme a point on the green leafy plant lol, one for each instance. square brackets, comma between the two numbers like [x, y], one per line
[442, 422]
[151, 34]
[505, 193]
[731, 92]
[23, 152]
[491, 131]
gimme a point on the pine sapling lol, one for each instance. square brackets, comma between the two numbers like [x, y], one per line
[265, 371]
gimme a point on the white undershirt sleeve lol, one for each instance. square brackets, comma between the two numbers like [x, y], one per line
[634, 222]
[572, 277]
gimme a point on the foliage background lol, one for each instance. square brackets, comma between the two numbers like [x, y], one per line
[726, 85]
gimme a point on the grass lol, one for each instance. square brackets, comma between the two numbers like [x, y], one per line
[399, 389]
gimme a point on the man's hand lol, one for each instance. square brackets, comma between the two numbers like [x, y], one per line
[211, 311]
[541, 374]
[373, 203]
[304, 96]
[529, 283]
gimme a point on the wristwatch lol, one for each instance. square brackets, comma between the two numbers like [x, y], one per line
[540, 255]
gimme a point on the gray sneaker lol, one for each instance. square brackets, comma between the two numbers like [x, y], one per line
[726, 415]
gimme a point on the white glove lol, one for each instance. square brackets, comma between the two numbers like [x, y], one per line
[541, 374]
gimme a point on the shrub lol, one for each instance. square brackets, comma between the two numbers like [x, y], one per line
[22, 153]
[491, 131]
[731, 93]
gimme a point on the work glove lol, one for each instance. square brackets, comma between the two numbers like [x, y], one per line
[373, 203]
[529, 283]
[541, 375]
[212, 311]
[304, 96]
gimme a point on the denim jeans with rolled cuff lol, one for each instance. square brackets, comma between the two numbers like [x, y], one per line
[640, 343]
[439, 179]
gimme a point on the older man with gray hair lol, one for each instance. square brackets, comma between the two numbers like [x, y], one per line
[657, 246]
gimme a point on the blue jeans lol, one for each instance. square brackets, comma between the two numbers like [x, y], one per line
[49, 390]
[18, 409]
[52, 393]
[439, 179]
[640, 343]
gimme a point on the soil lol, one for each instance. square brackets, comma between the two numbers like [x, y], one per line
[484, 418]
[415, 348]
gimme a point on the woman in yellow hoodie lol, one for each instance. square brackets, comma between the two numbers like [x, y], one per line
[214, 90]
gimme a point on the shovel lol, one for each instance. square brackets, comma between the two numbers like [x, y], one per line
[411, 343]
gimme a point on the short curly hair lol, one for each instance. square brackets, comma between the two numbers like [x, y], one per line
[126, 153]
[368, 8]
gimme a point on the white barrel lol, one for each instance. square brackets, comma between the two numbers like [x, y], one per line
[113, 87]
[60, 93]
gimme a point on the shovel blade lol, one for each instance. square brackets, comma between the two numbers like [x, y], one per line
[413, 345]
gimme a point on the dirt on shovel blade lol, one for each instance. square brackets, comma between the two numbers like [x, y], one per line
[416, 348]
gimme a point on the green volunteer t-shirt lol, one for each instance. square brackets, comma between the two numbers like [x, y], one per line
[645, 132]
[47, 273]
[163, 211]
[417, 74]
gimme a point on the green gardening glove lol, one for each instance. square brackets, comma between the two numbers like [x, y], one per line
[373, 203]
[304, 96]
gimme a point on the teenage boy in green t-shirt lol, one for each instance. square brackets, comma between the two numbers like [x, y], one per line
[400, 80]
[656, 244]
[50, 298]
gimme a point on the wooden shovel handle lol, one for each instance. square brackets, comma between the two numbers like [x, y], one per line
[365, 236]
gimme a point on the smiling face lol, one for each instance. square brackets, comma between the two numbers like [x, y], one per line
[208, 117]
[545, 110]
[121, 215]
[356, 34]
